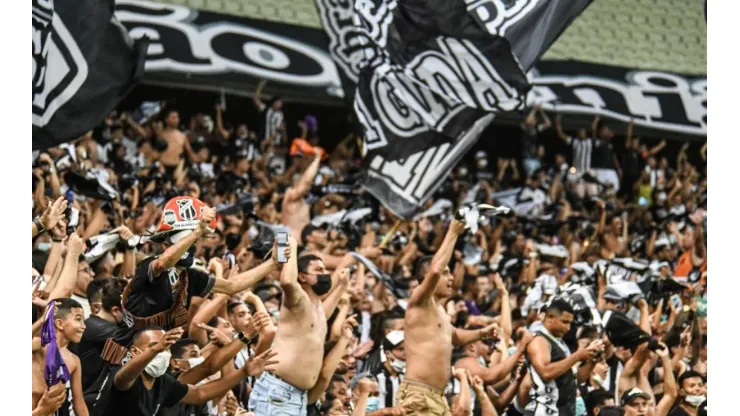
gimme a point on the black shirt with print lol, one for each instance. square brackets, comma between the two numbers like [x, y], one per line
[97, 331]
[140, 401]
[182, 409]
[150, 295]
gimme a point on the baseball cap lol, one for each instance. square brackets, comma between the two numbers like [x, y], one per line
[633, 394]
[393, 339]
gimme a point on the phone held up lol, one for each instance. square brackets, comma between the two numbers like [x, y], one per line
[282, 243]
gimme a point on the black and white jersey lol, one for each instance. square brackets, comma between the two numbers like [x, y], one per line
[582, 150]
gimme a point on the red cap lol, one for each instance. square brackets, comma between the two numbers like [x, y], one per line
[181, 213]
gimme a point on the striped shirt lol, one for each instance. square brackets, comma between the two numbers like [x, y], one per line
[582, 149]
[273, 120]
[387, 388]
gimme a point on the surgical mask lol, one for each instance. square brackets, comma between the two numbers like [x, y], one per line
[695, 401]
[428, 227]
[580, 407]
[399, 365]
[322, 285]
[598, 380]
[158, 366]
[43, 246]
[372, 404]
[254, 232]
[194, 362]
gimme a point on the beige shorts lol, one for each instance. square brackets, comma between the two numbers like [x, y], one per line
[420, 399]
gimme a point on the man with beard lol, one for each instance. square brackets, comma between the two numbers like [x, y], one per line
[429, 335]
[53, 363]
[551, 364]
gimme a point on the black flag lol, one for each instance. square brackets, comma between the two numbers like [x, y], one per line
[431, 75]
[84, 64]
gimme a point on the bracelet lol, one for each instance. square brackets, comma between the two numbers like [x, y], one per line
[37, 223]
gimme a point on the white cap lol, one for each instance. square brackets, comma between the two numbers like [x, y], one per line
[395, 337]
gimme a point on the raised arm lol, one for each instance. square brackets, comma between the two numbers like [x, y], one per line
[248, 279]
[559, 129]
[630, 129]
[127, 375]
[304, 184]
[267, 328]
[68, 278]
[220, 123]
[441, 259]
[217, 388]
[205, 314]
[544, 116]
[462, 405]
[212, 364]
[465, 337]
[257, 98]
[174, 253]
[670, 388]
[51, 216]
[594, 125]
[292, 292]
[657, 148]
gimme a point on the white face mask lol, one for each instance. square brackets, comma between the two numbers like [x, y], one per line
[695, 401]
[43, 246]
[254, 232]
[399, 365]
[158, 366]
[194, 362]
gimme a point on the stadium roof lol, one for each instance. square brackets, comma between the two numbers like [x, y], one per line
[666, 35]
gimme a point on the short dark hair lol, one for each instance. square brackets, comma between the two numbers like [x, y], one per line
[672, 339]
[558, 307]
[64, 307]
[178, 348]
[141, 332]
[597, 398]
[213, 322]
[305, 261]
[307, 230]
[95, 288]
[233, 305]
[112, 291]
[421, 266]
[687, 375]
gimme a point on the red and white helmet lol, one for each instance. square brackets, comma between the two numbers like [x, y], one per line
[181, 216]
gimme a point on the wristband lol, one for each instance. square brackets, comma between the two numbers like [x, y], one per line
[39, 227]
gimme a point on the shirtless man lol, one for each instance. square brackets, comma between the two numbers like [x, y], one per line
[296, 212]
[299, 342]
[429, 335]
[69, 324]
[175, 141]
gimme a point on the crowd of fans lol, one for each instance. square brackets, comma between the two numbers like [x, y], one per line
[159, 286]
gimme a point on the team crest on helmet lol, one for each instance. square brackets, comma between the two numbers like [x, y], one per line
[186, 209]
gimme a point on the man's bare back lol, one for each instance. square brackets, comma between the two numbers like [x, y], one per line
[428, 344]
[299, 343]
[175, 147]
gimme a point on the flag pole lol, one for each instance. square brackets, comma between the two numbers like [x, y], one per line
[389, 234]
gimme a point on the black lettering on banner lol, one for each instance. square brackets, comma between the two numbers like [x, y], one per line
[495, 16]
[653, 99]
[180, 45]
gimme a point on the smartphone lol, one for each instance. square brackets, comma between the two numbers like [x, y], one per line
[676, 300]
[73, 216]
[70, 197]
[282, 243]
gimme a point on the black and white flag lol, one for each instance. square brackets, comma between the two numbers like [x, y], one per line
[84, 64]
[430, 77]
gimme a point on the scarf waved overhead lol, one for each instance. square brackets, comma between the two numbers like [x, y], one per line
[55, 370]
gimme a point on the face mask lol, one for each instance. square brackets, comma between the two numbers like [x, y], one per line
[428, 228]
[44, 246]
[580, 407]
[695, 401]
[322, 285]
[194, 362]
[187, 259]
[482, 163]
[159, 364]
[372, 404]
[399, 365]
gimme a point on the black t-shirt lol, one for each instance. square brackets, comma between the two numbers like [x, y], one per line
[138, 401]
[182, 409]
[602, 157]
[678, 411]
[91, 345]
[150, 294]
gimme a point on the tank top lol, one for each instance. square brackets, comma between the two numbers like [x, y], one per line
[67, 408]
[686, 265]
[555, 396]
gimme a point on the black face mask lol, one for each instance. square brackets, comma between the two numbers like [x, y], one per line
[322, 285]
[187, 260]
